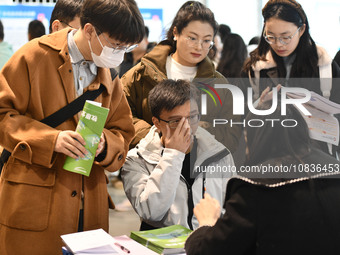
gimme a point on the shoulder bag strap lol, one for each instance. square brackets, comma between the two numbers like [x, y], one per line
[63, 114]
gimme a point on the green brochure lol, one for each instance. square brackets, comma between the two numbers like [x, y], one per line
[167, 240]
[90, 126]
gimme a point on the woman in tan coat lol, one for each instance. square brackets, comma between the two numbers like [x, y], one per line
[183, 56]
[39, 200]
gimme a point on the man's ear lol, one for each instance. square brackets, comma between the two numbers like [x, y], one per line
[155, 121]
[56, 26]
[89, 30]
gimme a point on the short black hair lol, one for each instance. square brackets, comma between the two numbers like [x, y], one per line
[121, 19]
[1, 31]
[66, 11]
[169, 94]
[36, 29]
[146, 31]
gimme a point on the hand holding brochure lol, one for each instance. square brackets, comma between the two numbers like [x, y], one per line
[90, 126]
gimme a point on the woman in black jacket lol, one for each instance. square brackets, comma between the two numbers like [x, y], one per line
[286, 200]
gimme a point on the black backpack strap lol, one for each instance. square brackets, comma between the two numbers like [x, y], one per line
[55, 119]
[3, 158]
[68, 111]
[63, 114]
[113, 73]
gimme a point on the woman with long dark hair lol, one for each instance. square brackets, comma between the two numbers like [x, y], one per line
[287, 50]
[287, 55]
[233, 55]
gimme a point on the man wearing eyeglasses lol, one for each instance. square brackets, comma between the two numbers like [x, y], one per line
[169, 170]
[66, 13]
[39, 200]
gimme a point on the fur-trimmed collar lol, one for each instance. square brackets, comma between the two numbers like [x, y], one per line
[324, 59]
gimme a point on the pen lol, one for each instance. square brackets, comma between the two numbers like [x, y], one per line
[204, 188]
[122, 248]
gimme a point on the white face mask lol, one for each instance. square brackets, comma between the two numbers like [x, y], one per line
[109, 58]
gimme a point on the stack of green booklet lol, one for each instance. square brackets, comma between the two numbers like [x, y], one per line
[90, 126]
[167, 240]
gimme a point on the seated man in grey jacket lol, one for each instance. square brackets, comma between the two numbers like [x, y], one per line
[167, 173]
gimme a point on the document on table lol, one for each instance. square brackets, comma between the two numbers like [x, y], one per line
[90, 242]
[99, 242]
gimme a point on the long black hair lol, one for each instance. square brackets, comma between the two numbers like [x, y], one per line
[305, 64]
[233, 55]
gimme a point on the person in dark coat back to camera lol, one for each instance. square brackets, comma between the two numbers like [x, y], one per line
[292, 211]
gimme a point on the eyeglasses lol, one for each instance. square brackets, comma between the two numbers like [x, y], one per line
[193, 119]
[193, 42]
[283, 39]
[119, 48]
[66, 24]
